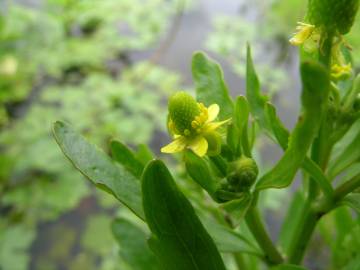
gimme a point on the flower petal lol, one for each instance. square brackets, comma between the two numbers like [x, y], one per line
[213, 111]
[175, 146]
[199, 145]
[214, 125]
[304, 31]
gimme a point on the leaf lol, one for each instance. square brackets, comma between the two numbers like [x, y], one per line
[291, 219]
[288, 267]
[237, 208]
[241, 118]
[133, 245]
[210, 85]
[282, 134]
[144, 154]
[314, 97]
[347, 157]
[228, 240]
[122, 154]
[353, 201]
[99, 168]
[253, 94]
[200, 172]
[179, 239]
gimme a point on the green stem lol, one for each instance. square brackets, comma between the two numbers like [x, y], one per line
[303, 235]
[240, 262]
[347, 187]
[257, 228]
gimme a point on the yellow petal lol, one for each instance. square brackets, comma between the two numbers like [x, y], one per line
[199, 145]
[213, 112]
[214, 125]
[175, 146]
[304, 32]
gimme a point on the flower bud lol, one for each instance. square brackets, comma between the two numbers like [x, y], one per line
[183, 109]
[242, 173]
[333, 14]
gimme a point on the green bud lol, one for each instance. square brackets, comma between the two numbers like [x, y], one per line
[183, 109]
[333, 14]
[242, 173]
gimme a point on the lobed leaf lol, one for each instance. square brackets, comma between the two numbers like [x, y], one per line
[99, 168]
[179, 239]
[210, 84]
[314, 97]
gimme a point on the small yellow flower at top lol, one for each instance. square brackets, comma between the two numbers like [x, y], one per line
[304, 32]
[192, 126]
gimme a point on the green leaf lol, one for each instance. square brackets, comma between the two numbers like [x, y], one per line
[144, 154]
[346, 158]
[241, 118]
[228, 240]
[314, 98]
[200, 172]
[99, 168]
[253, 93]
[280, 132]
[353, 201]
[291, 219]
[288, 267]
[179, 239]
[282, 136]
[210, 84]
[237, 208]
[133, 245]
[122, 154]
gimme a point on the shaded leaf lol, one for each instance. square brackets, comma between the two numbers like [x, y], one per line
[134, 249]
[353, 201]
[288, 267]
[200, 172]
[210, 84]
[122, 154]
[99, 168]
[228, 240]
[179, 239]
[144, 154]
[347, 157]
[253, 93]
[237, 208]
[314, 97]
[292, 217]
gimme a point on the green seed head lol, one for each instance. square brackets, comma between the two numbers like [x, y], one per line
[183, 109]
[242, 173]
[333, 14]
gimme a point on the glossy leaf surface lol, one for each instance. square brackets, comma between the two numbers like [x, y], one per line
[99, 168]
[179, 239]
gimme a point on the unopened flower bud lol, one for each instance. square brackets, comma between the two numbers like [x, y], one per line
[242, 173]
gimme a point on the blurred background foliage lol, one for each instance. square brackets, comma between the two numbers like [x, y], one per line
[107, 67]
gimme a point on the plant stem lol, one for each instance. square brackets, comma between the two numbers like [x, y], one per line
[257, 228]
[306, 227]
[347, 187]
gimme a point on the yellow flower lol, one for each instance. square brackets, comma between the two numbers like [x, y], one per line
[340, 72]
[192, 126]
[304, 32]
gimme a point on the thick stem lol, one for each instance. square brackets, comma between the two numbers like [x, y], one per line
[257, 228]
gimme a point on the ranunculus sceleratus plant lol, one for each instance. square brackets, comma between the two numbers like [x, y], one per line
[213, 135]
